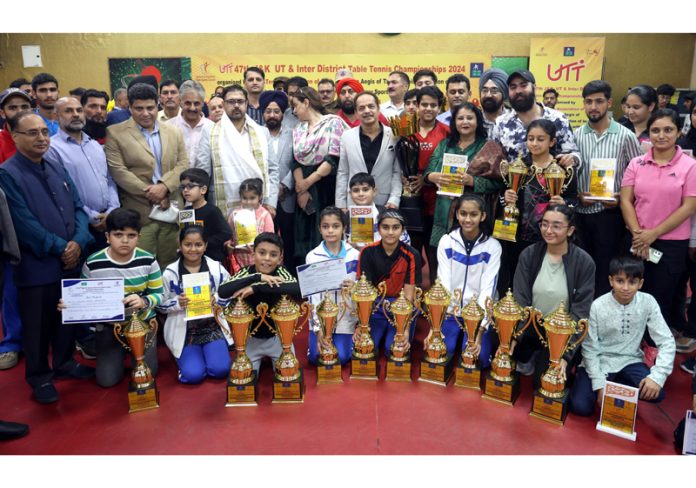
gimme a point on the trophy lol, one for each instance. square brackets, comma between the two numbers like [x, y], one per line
[407, 149]
[515, 175]
[364, 359]
[437, 364]
[557, 178]
[468, 374]
[501, 382]
[551, 399]
[399, 360]
[288, 384]
[328, 369]
[242, 388]
[142, 390]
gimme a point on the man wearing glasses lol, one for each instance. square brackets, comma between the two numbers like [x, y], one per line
[493, 92]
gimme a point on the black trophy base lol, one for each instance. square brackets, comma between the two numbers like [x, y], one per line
[553, 410]
[398, 370]
[411, 207]
[140, 399]
[437, 373]
[364, 369]
[329, 373]
[505, 392]
[242, 395]
[468, 377]
[289, 391]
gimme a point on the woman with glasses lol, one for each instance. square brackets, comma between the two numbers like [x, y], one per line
[316, 148]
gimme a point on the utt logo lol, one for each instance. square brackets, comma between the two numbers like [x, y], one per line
[568, 51]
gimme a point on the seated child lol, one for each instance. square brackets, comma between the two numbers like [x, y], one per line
[611, 351]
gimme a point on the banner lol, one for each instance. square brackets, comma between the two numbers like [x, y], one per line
[123, 70]
[567, 64]
[372, 70]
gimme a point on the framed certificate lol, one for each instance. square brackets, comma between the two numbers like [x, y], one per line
[321, 276]
[197, 290]
[619, 409]
[453, 164]
[244, 227]
[362, 224]
[602, 177]
[88, 301]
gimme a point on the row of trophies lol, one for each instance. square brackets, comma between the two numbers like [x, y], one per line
[500, 384]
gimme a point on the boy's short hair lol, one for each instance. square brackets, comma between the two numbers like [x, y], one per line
[362, 179]
[269, 237]
[121, 218]
[195, 175]
[631, 266]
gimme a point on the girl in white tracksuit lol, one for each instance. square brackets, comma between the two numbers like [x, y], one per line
[469, 260]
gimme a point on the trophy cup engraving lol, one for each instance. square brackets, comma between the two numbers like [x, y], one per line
[399, 360]
[364, 359]
[501, 382]
[142, 390]
[288, 381]
[551, 399]
[437, 364]
[468, 373]
[407, 150]
[556, 178]
[242, 389]
[516, 177]
[328, 367]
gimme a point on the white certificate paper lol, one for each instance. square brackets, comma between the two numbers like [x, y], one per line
[93, 301]
[321, 276]
[690, 434]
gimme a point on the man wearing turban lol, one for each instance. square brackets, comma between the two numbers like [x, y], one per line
[347, 89]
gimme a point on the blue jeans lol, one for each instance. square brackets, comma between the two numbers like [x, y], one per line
[198, 361]
[343, 343]
[11, 322]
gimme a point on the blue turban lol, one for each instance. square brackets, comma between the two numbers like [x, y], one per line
[276, 96]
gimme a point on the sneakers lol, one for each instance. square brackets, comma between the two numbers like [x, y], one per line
[88, 349]
[46, 393]
[686, 344]
[689, 365]
[8, 359]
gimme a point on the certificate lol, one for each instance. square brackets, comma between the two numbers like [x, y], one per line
[187, 216]
[690, 434]
[93, 301]
[362, 224]
[321, 276]
[619, 409]
[453, 164]
[197, 290]
[602, 177]
[244, 227]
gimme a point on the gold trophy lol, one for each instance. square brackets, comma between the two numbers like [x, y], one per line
[399, 360]
[437, 364]
[557, 178]
[551, 399]
[288, 384]
[364, 360]
[328, 367]
[516, 177]
[501, 382]
[242, 390]
[468, 374]
[142, 390]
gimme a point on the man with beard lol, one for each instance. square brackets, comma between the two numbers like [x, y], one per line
[600, 224]
[94, 104]
[44, 86]
[169, 100]
[493, 92]
[254, 79]
[550, 98]
[458, 91]
[347, 89]
[511, 129]
[327, 94]
[190, 120]
[397, 86]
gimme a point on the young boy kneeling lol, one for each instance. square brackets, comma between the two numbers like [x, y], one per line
[611, 350]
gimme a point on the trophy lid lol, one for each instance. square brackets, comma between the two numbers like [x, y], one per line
[404, 125]
[285, 309]
[473, 310]
[401, 306]
[363, 291]
[136, 327]
[518, 166]
[554, 170]
[559, 321]
[437, 295]
[239, 313]
[327, 307]
[508, 306]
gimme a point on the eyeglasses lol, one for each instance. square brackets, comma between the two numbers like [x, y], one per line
[34, 133]
[234, 101]
[188, 186]
[490, 91]
[554, 227]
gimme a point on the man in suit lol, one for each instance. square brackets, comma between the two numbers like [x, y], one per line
[369, 148]
[145, 159]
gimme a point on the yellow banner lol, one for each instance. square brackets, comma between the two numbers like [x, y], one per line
[567, 64]
[372, 70]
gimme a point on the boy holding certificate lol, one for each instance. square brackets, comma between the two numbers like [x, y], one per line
[264, 281]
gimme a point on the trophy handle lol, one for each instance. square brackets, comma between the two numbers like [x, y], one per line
[488, 305]
[306, 309]
[152, 332]
[382, 290]
[262, 310]
[386, 308]
[345, 296]
[582, 323]
[570, 172]
[118, 330]
[457, 310]
[533, 313]
[219, 316]
[417, 297]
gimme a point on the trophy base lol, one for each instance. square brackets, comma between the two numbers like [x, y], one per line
[398, 370]
[242, 395]
[505, 392]
[289, 391]
[553, 410]
[468, 377]
[140, 399]
[437, 374]
[364, 369]
[329, 373]
[411, 207]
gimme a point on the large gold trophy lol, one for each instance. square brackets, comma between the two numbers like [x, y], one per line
[551, 399]
[437, 364]
[399, 360]
[242, 389]
[516, 177]
[142, 390]
[328, 367]
[501, 382]
[468, 373]
[364, 360]
[557, 178]
[288, 381]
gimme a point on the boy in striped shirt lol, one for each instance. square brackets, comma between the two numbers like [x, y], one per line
[143, 289]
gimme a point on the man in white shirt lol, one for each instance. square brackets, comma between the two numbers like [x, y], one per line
[190, 120]
[397, 86]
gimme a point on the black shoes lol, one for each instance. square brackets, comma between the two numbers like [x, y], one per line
[12, 430]
[78, 371]
[46, 393]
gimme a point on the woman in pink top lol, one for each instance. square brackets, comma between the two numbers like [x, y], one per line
[658, 195]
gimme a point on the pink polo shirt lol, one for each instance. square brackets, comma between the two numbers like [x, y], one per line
[659, 190]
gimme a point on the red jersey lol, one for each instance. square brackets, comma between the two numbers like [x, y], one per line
[7, 145]
[427, 147]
